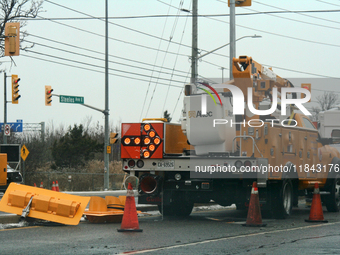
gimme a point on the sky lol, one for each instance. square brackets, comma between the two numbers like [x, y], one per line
[149, 54]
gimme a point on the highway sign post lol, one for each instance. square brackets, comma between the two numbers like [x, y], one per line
[7, 129]
[24, 153]
[71, 99]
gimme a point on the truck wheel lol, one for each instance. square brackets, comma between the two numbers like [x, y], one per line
[282, 199]
[332, 201]
[176, 208]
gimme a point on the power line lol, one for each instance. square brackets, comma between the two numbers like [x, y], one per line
[171, 36]
[159, 46]
[333, 21]
[97, 71]
[291, 70]
[102, 53]
[128, 28]
[328, 3]
[276, 34]
[100, 59]
[97, 66]
[300, 21]
[285, 36]
[276, 67]
[166, 97]
[134, 30]
[114, 39]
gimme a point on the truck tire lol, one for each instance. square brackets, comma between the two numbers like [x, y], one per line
[176, 208]
[282, 199]
[332, 201]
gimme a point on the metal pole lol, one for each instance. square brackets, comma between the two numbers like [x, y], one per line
[222, 68]
[232, 51]
[23, 172]
[42, 130]
[106, 113]
[194, 49]
[5, 110]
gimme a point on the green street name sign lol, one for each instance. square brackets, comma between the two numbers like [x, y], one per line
[71, 99]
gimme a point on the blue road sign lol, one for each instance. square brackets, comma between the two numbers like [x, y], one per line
[15, 126]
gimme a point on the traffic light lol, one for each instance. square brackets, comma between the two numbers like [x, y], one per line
[48, 95]
[307, 86]
[12, 39]
[15, 89]
[113, 138]
[241, 3]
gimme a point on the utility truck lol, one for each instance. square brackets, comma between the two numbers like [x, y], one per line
[329, 125]
[252, 128]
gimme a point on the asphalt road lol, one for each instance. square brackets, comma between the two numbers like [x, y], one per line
[204, 232]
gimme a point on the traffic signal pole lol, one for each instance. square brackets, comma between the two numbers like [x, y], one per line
[232, 49]
[106, 112]
[5, 110]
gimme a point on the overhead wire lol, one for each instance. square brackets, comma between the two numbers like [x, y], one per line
[276, 34]
[327, 3]
[89, 69]
[168, 45]
[290, 37]
[156, 58]
[100, 59]
[97, 66]
[182, 36]
[134, 30]
[110, 38]
[171, 36]
[301, 14]
[101, 53]
[285, 68]
[299, 21]
[128, 28]
[93, 51]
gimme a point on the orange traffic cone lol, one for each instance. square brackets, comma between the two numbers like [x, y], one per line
[56, 186]
[316, 213]
[53, 186]
[130, 217]
[254, 218]
[41, 185]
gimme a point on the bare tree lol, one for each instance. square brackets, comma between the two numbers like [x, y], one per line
[17, 11]
[326, 101]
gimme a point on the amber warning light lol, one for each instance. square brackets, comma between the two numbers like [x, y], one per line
[142, 140]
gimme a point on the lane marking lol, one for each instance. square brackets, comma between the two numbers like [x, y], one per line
[226, 238]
